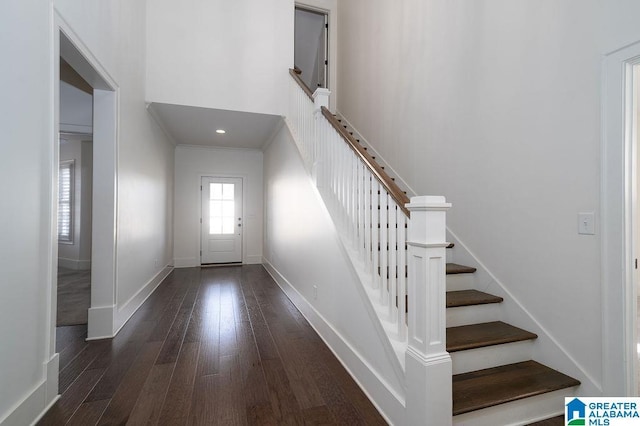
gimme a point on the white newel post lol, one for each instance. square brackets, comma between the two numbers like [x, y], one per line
[320, 99]
[428, 364]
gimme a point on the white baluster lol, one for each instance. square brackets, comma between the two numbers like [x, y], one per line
[361, 210]
[402, 276]
[351, 191]
[393, 261]
[368, 227]
[384, 229]
[375, 233]
[354, 202]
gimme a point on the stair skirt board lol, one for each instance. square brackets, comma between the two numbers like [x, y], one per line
[490, 356]
[521, 412]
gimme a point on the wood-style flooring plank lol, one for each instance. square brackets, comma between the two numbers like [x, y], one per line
[254, 385]
[124, 399]
[88, 413]
[211, 346]
[80, 363]
[148, 406]
[69, 402]
[173, 341]
[119, 364]
[283, 401]
[229, 405]
[318, 416]
[177, 402]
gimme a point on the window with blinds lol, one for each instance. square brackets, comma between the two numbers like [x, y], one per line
[65, 202]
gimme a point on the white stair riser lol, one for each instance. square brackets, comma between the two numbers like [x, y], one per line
[450, 257]
[490, 356]
[474, 314]
[460, 282]
[521, 412]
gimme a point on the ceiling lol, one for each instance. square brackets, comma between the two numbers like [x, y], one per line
[189, 125]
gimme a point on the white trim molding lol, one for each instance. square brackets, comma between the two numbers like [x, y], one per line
[380, 393]
[617, 209]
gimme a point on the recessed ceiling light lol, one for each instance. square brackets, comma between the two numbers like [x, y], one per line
[221, 131]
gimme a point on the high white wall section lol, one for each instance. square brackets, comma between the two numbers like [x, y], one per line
[221, 54]
[496, 105]
[302, 250]
[191, 164]
[114, 33]
[25, 167]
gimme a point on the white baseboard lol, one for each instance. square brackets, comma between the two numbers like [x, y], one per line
[75, 264]
[33, 406]
[253, 260]
[131, 306]
[100, 322]
[186, 262]
[193, 262]
[389, 404]
[106, 321]
[52, 368]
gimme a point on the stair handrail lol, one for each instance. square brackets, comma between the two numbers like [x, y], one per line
[364, 203]
[301, 83]
[381, 176]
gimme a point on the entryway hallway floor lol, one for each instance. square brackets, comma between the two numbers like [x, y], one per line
[210, 346]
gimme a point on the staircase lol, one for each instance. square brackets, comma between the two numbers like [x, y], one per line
[491, 361]
[495, 380]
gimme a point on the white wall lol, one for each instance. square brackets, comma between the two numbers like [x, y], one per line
[496, 105]
[191, 164]
[221, 54]
[27, 164]
[114, 33]
[77, 254]
[302, 250]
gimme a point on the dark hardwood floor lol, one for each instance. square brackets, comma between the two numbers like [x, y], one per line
[210, 346]
[74, 296]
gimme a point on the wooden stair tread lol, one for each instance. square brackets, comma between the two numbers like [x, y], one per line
[553, 421]
[470, 297]
[454, 268]
[485, 334]
[492, 386]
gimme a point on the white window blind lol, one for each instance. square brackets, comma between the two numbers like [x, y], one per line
[65, 201]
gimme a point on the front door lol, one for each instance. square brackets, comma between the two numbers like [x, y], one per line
[221, 220]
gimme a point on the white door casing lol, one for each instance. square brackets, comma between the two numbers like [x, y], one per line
[221, 220]
[618, 202]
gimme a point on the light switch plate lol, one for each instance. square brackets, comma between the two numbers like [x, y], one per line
[587, 223]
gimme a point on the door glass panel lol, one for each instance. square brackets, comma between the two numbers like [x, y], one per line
[221, 208]
[228, 191]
